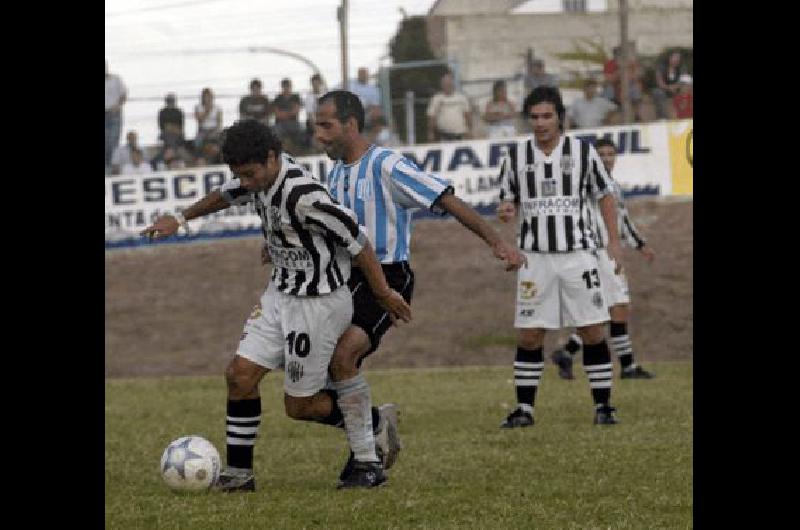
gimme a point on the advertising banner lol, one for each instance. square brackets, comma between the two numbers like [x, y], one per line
[653, 159]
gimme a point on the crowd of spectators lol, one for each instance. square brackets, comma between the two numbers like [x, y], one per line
[450, 114]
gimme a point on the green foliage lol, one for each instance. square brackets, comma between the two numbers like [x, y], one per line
[457, 468]
[590, 54]
[411, 44]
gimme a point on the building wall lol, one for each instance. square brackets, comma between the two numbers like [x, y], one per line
[494, 45]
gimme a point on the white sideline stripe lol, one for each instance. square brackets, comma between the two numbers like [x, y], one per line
[241, 430]
[520, 364]
[239, 441]
[238, 419]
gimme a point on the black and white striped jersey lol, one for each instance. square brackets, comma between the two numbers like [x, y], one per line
[310, 238]
[627, 232]
[551, 193]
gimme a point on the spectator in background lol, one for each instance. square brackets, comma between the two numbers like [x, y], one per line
[369, 95]
[287, 126]
[212, 153]
[116, 95]
[500, 113]
[137, 164]
[170, 157]
[255, 105]
[123, 154]
[449, 113]
[171, 122]
[590, 110]
[318, 88]
[536, 76]
[668, 74]
[209, 119]
[381, 134]
[613, 78]
[683, 101]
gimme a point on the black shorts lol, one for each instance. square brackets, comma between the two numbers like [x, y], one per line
[367, 313]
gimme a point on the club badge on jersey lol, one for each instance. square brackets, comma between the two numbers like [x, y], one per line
[549, 188]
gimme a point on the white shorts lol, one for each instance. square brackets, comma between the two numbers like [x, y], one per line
[615, 286]
[560, 290]
[298, 334]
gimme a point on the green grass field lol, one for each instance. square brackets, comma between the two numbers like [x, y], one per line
[457, 468]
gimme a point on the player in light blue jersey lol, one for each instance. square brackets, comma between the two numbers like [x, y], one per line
[383, 188]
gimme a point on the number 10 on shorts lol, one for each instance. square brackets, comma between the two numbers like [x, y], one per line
[299, 344]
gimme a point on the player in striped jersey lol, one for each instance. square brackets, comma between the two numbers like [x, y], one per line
[547, 181]
[307, 305]
[383, 188]
[615, 285]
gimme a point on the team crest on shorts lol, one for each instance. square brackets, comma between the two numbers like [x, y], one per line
[527, 290]
[597, 300]
[256, 312]
[295, 371]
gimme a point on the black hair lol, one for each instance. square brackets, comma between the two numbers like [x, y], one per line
[254, 82]
[248, 141]
[545, 94]
[347, 105]
[316, 77]
[497, 86]
[605, 142]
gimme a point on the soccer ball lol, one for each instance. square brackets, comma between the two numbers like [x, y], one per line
[190, 463]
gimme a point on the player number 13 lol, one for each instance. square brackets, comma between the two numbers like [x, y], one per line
[587, 276]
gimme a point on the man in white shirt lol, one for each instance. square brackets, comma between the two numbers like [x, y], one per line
[591, 110]
[369, 95]
[449, 114]
[116, 94]
[137, 165]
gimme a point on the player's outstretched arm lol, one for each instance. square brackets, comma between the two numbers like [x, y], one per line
[476, 224]
[167, 225]
[387, 297]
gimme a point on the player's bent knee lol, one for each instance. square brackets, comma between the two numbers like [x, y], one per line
[243, 378]
[298, 408]
[593, 334]
[530, 339]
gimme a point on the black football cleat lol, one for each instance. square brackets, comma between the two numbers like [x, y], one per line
[518, 418]
[636, 372]
[563, 360]
[230, 482]
[605, 416]
[363, 475]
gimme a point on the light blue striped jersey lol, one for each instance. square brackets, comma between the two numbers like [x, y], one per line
[384, 188]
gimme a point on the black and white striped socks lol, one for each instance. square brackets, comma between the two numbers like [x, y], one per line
[599, 370]
[621, 343]
[241, 426]
[528, 365]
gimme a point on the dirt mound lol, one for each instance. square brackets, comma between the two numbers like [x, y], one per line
[179, 309]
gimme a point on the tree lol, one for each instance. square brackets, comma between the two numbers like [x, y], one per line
[410, 43]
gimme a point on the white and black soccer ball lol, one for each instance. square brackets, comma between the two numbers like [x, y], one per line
[190, 463]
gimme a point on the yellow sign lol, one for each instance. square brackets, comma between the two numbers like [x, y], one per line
[681, 156]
